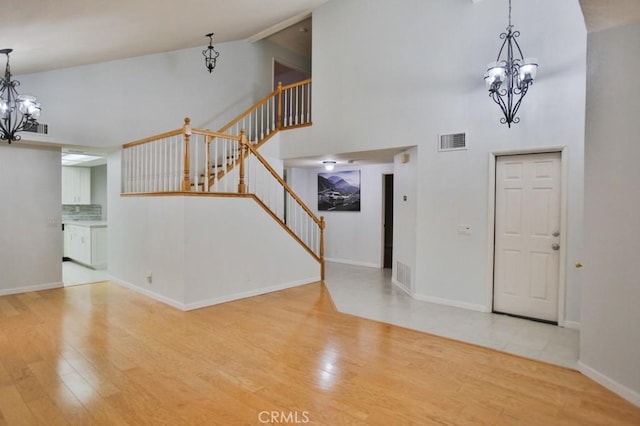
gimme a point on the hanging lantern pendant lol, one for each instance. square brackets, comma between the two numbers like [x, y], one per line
[210, 54]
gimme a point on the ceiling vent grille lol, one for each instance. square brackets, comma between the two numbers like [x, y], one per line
[452, 142]
[40, 128]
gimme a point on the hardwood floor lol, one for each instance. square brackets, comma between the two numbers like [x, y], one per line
[102, 354]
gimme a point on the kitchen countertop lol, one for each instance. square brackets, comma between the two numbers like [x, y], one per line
[87, 223]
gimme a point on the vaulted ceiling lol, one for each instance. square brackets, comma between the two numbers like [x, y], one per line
[47, 35]
[603, 14]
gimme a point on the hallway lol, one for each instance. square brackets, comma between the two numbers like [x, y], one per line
[368, 293]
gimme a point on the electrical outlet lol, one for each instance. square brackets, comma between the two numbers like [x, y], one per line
[464, 229]
[149, 277]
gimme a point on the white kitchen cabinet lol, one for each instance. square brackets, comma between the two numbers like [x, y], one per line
[76, 185]
[86, 243]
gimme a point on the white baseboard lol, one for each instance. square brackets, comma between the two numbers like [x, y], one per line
[401, 286]
[628, 394]
[245, 294]
[215, 301]
[572, 324]
[448, 302]
[30, 288]
[150, 293]
[354, 263]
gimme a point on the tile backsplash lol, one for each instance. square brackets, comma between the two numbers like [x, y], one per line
[72, 212]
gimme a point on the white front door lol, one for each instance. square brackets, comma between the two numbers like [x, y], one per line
[527, 236]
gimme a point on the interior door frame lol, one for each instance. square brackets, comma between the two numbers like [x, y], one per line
[275, 59]
[491, 219]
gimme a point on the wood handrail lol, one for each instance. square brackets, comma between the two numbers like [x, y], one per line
[284, 184]
[177, 132]
[290, 232]
[296, 84]
[263, 101]
[249, 111]
[168, 134]
[213, 134]
[220, 133]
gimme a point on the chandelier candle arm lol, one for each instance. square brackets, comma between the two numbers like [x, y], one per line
[509, 77]
[17, 112]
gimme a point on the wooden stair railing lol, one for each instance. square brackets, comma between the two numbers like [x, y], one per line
[196, 160]
[287, 107]
[295, 217]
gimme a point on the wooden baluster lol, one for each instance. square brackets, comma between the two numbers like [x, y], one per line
[186, 184]
[207, 165]
[291, 112]
[279, 116]
[322, 225]
[296, 113]
[242, 187]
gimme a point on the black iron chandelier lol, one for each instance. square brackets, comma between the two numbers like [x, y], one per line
[17, 112]
[210, 54]
[508, 79]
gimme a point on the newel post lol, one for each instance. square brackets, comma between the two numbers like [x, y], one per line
[242, 187]
[322, 225]
[279, 116]
[186, 182]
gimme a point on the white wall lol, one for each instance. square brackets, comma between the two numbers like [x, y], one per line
[231, 252]
[274, 51]
[421, 76]
[30, 212]
[112, 103]
[200, 251]
[99, 188]
[610, 336]
[350, 237]
[405, 213]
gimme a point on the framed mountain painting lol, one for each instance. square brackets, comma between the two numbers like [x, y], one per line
[339, 191]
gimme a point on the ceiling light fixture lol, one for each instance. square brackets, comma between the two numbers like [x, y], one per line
[329, 165]
[210, 54]
[508, 79]
[17, 112]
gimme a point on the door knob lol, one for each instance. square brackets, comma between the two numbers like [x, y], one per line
[555, 246]
[556, 234]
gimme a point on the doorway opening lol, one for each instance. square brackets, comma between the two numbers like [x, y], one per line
[388, 222]
[287, 74]
[84, 216]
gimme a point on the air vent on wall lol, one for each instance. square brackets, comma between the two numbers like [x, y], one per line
[403, 274]
[41, 128]
[452, 142]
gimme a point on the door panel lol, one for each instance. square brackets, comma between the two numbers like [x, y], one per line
[526, 266]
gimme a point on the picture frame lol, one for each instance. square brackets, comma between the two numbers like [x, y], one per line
[339, 191]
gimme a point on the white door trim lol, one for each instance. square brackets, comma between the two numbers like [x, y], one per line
[491, 209]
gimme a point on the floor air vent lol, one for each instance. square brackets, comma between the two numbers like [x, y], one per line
[403, 274]
[453, 142]
[40, 128]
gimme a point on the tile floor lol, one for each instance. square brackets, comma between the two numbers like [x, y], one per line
[368, 293]
[76, 274]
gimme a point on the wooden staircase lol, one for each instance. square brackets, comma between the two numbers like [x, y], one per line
[226, 162]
